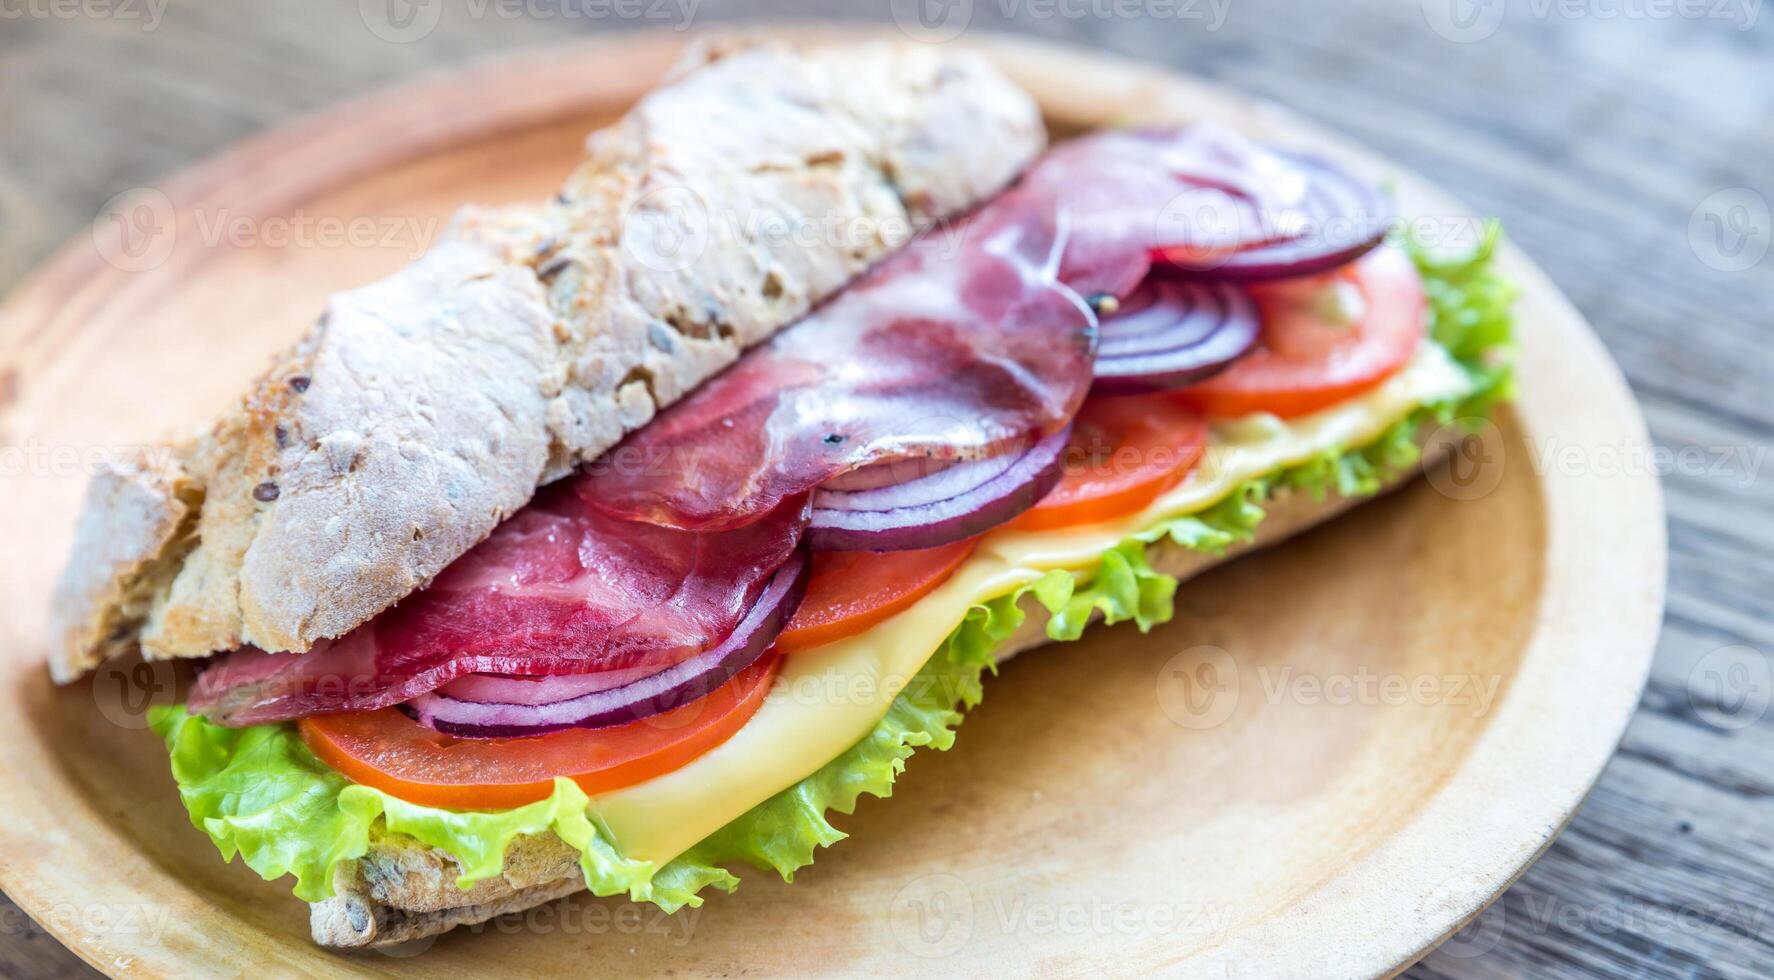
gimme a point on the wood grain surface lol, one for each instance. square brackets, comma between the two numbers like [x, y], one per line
[1627, 153]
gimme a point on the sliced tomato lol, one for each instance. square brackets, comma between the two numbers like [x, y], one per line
[391, 752]
[1124, 452]
[851, 591]
[1306, 359]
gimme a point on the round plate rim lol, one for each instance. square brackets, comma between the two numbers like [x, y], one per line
[1337, 926]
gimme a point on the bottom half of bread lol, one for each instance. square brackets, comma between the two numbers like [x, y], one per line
[403, 890]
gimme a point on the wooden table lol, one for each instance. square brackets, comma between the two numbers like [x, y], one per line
[1626, 146]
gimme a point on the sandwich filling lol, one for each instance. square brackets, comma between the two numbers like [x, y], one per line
[682, 664]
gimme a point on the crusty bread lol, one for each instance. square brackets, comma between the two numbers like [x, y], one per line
[402, 890]
[138, 511]
[424, 408]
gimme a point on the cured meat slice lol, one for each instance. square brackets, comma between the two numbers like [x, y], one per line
[557, 589]
[976, 339]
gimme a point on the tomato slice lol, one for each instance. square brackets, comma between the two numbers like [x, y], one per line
[1305, 360]
[851, 591]
[1124, 452]
[393, 753]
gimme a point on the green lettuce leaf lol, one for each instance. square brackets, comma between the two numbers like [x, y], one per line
[1471, 315]
[259, 793]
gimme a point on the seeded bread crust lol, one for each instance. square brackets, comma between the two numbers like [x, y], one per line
[425, 408]
[402, 890]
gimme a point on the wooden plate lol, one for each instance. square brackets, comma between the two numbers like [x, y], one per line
[1350, 795]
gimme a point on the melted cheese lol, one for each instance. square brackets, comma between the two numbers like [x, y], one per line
[828, 698]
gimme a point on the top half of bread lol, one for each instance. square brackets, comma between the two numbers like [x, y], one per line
[423, 409]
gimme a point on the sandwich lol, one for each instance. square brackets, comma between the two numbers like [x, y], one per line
[624, 537]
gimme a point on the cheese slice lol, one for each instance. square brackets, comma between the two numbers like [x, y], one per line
[828, 698]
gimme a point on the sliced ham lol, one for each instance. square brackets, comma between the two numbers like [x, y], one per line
[975, 338]
[557, 589]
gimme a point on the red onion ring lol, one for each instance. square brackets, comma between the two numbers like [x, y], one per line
[513, 689]
[654, 694]
[1344, 218]
[887, 474]
[1170, 333]
[953, 503]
